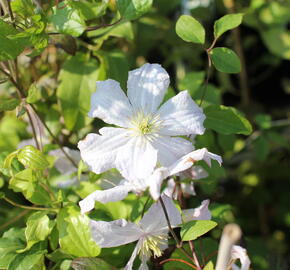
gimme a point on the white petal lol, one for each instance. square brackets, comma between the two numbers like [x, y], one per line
[241, 254]
[200, 213]
[110, 104]
[146, 87]
[155, 181]
[154, 219]
[129, 265]
[188, 188]
[196, 172]
[99, 152]
[143, 265]
[136, 159]
[114, 233]
[114, 194]
[171, 189]
[171, 149]
[62, 164]
[180, 115]
[188, 160]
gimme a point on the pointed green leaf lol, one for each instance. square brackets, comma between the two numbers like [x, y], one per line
[209, 266]
[38, 227]
[226, 120]
[226, 23]
[196, 228]
[31, 157]
[8, 249]
[74, 233]
[190, 30]
[225, 60]
[132, 9]
[67, 20]
[33, 94]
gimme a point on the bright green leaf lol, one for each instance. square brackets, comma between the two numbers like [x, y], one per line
[226, 23]
[25, 8]
[209, 266]
[226, 120]
[196, 228]
[132, 9]
[67, 20]
[38, 227]
[91, 264]
[10, 47]
[225, 60]
[74, 233]
[31, 157]
[8, 247]
[190, 30]
[33, 94]
[78, 81]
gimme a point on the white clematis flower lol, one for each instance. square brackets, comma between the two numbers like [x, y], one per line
[199, 213]
[239, 253]
[151, 232]
[153, 182]
[144, 136]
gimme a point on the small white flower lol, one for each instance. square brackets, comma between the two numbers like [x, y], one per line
[200, 213]
[151, 232]
[144, 138]
[239, 253]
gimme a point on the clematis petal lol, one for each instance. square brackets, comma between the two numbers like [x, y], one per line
[136, 159]
[195, 172]
[114, 194]
[171, 149]
[115, 233]
[146, 87]
[188, 160]
[155, 181]
[110, 104]
[241, 254]
[62, 164]
[180, 115]
[188, 188]
[200, 213]
[154, 220]
[171, 189]
[99, 152]
[129, 265]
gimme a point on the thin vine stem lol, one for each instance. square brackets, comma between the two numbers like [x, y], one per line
[179, 260]
[178, 243]
[29, 207]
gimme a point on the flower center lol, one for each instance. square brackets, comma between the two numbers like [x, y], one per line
[152, 245]
[145, 124]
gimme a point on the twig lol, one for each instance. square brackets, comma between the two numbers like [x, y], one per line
[194, 255]
[178, 260]
[144, 206]
[33, 130]
[29, 207]
[231, 234]
[16, 218]
[207, 77]
[178, 243]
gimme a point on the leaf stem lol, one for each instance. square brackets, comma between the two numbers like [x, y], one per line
[196, 262]
[178, 260]
[16, 218]
[29, 207]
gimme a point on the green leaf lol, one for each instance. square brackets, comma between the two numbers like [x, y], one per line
[78, 81]
[25, 8]
[8, 247]
[132, 9]
[33, 94]
[38, 227]
[9, 104]
[74, 233]
[90, 10]
[196, 228]
[10, 47]
[32, 259]
[264, 121]
[190, 30]
[226, 23]
[67, 20]
[226, 120]
[26, 182]
[90, 264]
[32, 158]
[209, 266]
[225, 60]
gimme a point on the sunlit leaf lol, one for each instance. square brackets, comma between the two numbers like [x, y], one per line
[226, 23]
